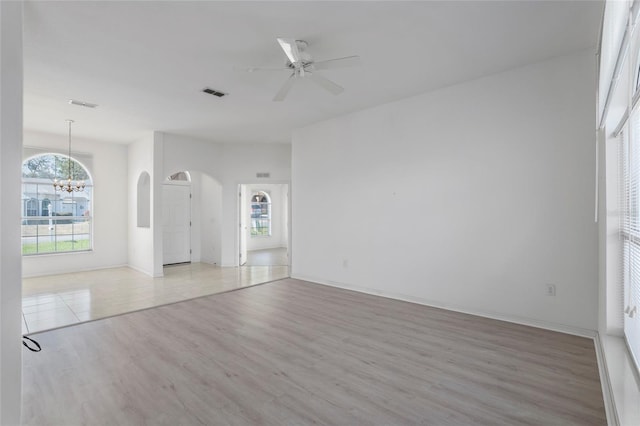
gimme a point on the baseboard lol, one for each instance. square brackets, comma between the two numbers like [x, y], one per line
[576, 331]
[605, 382]
[71, 271]
[268, 248]
[143, 271]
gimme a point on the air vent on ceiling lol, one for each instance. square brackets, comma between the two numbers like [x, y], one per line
[81, 103]
[213, 92]
[263, 174]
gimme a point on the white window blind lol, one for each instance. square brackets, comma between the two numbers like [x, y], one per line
[629, 164]
[615, 17]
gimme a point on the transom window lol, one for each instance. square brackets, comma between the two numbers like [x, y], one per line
[260, 215]
[54, 221]
[180, 176]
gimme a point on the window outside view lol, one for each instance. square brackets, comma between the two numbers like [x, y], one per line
[54, 221]
[260, 215]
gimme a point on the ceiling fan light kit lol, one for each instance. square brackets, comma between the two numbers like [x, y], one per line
[302, 65]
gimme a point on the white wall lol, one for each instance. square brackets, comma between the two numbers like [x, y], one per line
[140, 239]
[230, 165]
[10, 269]
[210, 220]
[278, 237]
[472, 197]
[145, 244]
[107, 167]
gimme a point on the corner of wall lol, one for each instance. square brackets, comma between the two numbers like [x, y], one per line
[11, 128]
[156, 223]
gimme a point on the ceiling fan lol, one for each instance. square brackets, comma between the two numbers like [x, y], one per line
[301, 65]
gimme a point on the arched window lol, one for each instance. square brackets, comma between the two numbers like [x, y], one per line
[180, 176]
[54, 221]
[32, 207]
[260, 215]
[45, 207]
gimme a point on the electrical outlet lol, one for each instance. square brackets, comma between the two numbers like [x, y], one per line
[551, 289]
[345, 263]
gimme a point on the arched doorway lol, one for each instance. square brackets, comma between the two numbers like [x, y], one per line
[192, 203]
[176, 219]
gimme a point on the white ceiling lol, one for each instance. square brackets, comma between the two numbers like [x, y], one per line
[145, 63]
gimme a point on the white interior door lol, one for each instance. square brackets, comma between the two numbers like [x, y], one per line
[176, 213]
[242, 243]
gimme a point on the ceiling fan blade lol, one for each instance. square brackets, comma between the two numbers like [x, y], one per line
[326, 84]
[284, 90]
[348, 61]
[290, 49]
[252, 69]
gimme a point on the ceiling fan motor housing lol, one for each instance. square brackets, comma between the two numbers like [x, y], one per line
[307, 65]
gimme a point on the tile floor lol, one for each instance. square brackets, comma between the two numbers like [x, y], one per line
[59, 300]
[268, 257]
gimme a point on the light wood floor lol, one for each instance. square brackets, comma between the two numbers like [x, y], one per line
[296, 353]
[60, 300]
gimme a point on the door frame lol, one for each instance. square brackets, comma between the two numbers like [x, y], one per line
[242, 225]
[289, 216]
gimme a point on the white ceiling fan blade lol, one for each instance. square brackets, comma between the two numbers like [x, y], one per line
[284, 90]
[348, 61]
[252, 69]
[325, 83]
[290, 49]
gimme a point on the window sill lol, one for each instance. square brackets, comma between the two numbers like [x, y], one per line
[622, 377]
[61, 253]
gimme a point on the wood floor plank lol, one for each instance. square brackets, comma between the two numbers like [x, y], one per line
[295, 353]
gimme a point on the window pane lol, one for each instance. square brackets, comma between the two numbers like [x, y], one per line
[54, 220]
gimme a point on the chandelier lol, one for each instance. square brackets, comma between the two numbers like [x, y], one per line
[69, 184]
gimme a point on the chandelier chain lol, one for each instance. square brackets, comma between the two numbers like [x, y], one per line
[69, 185]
